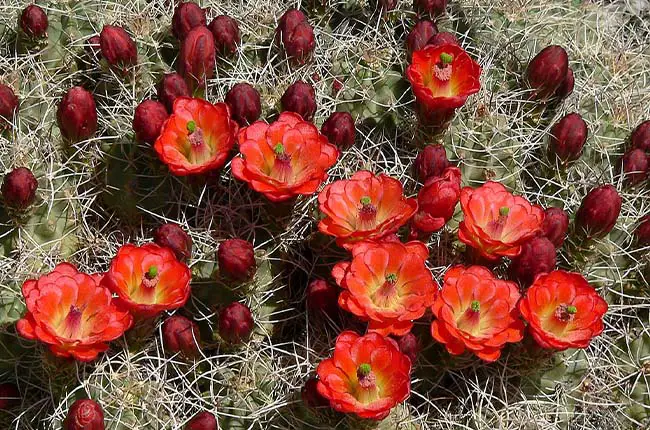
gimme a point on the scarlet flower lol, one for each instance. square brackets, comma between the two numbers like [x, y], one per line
[563, 311]
[72, 313]
[387, 284]
[364, 207]
[196, 138]
[148, 279]
[496, 222]
[283, 159]
[366, 375]
[437, 201]
[475, 311]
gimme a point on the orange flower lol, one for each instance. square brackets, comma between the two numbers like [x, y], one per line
[496, 222]
[387, 284]
[148, 279]
[284, 159]
[563, 310]
[476, 311]
[364, 207]
[72, 313]
[196, 138]
[367, 375]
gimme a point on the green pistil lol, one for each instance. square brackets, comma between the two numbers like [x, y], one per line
[191, 126]
[391, 278]
[365, 200]
[278, 149]
[364, 370]
[446, 58]
[475, 306]
[152, 272]
[571, 310]
[504, 211]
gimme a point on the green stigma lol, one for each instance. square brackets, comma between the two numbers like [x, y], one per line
[504, 211]
[391, 278]
[571, 309]
[278, 149]
[191, 126]
[476, 306]
[365, 200]
[152, 272]
[446, 58]
[364, 369]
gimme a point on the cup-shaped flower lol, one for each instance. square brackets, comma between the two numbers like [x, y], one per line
[387, 284]
[148, 279]
[196, 138]
[283, 159]
[366, 375]
[72, 313]
[364, 207]
[475, 311]
[437, 201]
[496, 222]
[563, 310]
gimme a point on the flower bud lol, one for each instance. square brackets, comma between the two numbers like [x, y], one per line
[300, 43]
[635, 166]
[420, 35]
[599, 211]
[547, 71]
[77, 115]
[244, 103]
[235, 323]
[537, 256]
[437, 201]
[170, 87]
[443, 38]
[301, 99]
[289, 21]
[409, 345]
[226, 34]
[93, 48]
[196, 59]
[337, 86]
[172, 236]
[148, 120]
[19, 188]
[430, 7]
[9, 396]
[85, 414]
[566, 87]
[181, 335]
[310, 395]
[186, 17]
[322, 297]
[202, 421]
[387, 5]
[340, 130]
[568, 136]
[117, 47]
[236, 259]
[33, 21]
[431, 162]
[640, 137]
[8, 103]
[642, 233]
[555, 226]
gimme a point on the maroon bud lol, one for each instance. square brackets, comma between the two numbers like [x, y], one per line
[537, 256]
[202, 421]
[186, 17]
[547, 71]
[310, 395]
[77, 114]
[290, 20]
[93, 48]
[300, 43]
[635, 166]
[301, 99]
[555, 226]
[337, 86]
[568, 136]
[566, 87]
[117, 47]
[181, 335]
[409, 346]
[226, 34]
[244, 103]
[642, 233]
[9, 396]
[235, 323]
[170, 87]
[84, 414]
[322, 297]
[196, 60]
[431, 162]
[640, 137]
[430, 7]
[175, 238]
[236, 259]
[420, 35]
[339, 130]
[8, 103]
[387, 5]
[599, 211]
[148, 120]
[443, 38]
[33, 21]
[19, 188]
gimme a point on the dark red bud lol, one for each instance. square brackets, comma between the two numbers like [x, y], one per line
[117, 47]
[443, 38]
[568, 136]
[300, 43]
[290, 20]
[33, 21]
[202, 421]
[181, 335]
[244, 103]
[19, 188]
[547, 71]
[337, 86]
[186, 17]
[236, 259]
[93, 48]
[566, 87]
[226, 34]
[310, 395]
[635, 166]
[642, 233]
[301, 99]
[387, 5]
[148, 120]
[8, 103]
[431, 162]
[537, 256]
[409, 345]
[599, 211]
[175, 238]
[77, 114]
[9, 396]
[555, 226]
[196, 59]
[420, 35]
[640, 137]
[84, 414]
[170, 87]
[322, 297]
[339, 130]
[430, 7]
[235, 323]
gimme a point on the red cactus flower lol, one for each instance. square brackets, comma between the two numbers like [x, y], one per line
[387, 284]
[443, 38]
[437, 201]
[202, 421]
[226, 34]
[364, 207]
[170, 88]
[181, 335]
[409, 345]
[566, 87]
[148, 120]
[117, 47]
[431, 162]
[244, 103]
[537, 256]
[33, 21]
[196, 138]
[9, 396]
[475, 311]
[430, 7]
[187, 16]
[635, 166]
[366, 375]
[555, 226]
[19, 188]
[84, 414]
[300, 42]
[175, 238]
[77, 115]
[301, 99]
[563, 311]
[568, 136]
[322, 297]
[340, 130]
[640, 137]
[72, 313]
[8, 104]
[547, 71]
[420, 35]
[196, 59]
[599, 211]
[236, 322]
[289, 21]
[237, 259]
[148, 279]
[496, 222]
[284, 159]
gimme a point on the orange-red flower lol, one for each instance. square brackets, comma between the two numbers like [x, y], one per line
[283, 159]
[148, 279]
[477, 312]
[563, 310]
[387, 284]
[364, 207]
[197, 137]
[437, 201]
[366, 375]
[72, 313]
[496, 222]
